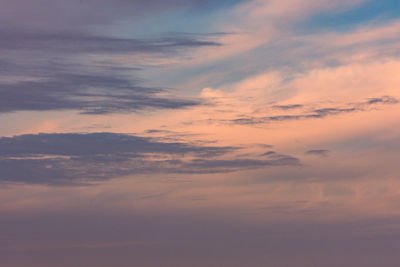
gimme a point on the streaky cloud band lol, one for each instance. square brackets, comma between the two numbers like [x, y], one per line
[78, 158]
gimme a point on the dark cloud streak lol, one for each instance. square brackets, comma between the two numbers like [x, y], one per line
[318, 113]
[75, 42]
[288, 107]
[87, 93]
[47, 78]
[62, 159]
[318, 152]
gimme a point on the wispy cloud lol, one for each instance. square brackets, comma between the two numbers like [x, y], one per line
[307, 112]
[50, 75]
[288, 107]
[76, 42]
[76, 158]
[318, 113]
[86, 93]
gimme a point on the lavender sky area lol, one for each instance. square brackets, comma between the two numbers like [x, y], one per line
[199, 133]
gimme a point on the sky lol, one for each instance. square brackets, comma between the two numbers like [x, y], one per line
[199, 133]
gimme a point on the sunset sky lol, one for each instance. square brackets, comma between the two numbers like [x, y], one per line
[199, 133]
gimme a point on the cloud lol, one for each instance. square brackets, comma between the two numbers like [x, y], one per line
[71, 144]
[87, 93]
[54, 58]
[76, 42]
[76, 158]
[44, 71]
[318, 152]
[58, 55]
[268, 153]
[210, 166]
[318, 113]
[288, 107]
[259, 23]
[271, 35]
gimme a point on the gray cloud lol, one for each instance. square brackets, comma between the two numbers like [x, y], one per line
[318, 113]
[76, 42]
[211, 166]
[75, 144]
[287, 107]
[268, 153]
[78, 158]
[87, 93]
[381, 100]
[55, 55]
[318, 152]
[38, 72]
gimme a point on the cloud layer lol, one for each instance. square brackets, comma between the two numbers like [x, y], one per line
[73, 158]
[44, 71]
